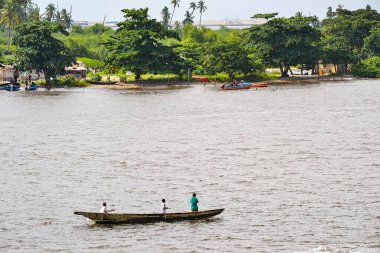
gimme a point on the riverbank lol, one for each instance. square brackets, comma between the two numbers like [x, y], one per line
[181, 84]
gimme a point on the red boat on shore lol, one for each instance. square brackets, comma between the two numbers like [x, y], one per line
[201, 79]
[260, 85]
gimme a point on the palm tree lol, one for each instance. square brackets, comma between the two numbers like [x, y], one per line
[202, 8]
[188, 18]
[193, 7]
[66, 19]
[50, 12]
[175, 4]
[33, 12]
[23, 8]
[299, 14]
[10, 17]
[165, 17]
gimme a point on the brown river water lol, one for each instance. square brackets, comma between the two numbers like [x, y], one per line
[296, 167]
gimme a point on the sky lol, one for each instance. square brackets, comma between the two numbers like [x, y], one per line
[96, 10]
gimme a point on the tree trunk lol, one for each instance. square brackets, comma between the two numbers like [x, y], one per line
[200, 21]
[171, 18]
[137, 75]
[47, 80]
[231, 76]
[284, 71]
[9, 34]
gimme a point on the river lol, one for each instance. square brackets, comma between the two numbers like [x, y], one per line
[297, 168]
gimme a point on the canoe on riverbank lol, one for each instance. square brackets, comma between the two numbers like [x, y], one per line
[238, 86]
[10, 86]
[111, 218]
[100, 83]
[260, 85]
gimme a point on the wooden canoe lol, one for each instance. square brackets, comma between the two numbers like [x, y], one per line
[100, 83]
[113, 218]
[260, 85]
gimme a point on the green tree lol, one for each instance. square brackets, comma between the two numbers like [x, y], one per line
[38, 50]
[137, 45]
[165, 15]
[285, 42]
[33, 12]
[225, 57]
[10, 17]
[336, 50]
[188, 18]
[202, 9]
[66, 19]
[193, 7]
[372, 43]
[50, 12]
[175, 4]
[98, 29]
[344, 35]
[330, 13]
[369, 67]
[92, 63]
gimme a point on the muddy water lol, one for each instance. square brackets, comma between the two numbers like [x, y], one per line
[296, 167]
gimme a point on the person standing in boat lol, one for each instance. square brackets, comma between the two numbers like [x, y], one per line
[163, 207]
[194, 203]
[104, 209]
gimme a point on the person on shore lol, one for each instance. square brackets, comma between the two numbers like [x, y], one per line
[194, 203]
[104, 209]
[163, 207]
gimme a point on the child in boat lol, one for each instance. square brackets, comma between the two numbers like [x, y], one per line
[163, 207]
[104, 209]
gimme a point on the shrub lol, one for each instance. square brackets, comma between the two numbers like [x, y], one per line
[369, 67]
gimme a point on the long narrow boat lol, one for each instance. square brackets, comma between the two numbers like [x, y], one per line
[239, 86]
[10, 86]
[260, 85]
[100, 83]
[111, 218]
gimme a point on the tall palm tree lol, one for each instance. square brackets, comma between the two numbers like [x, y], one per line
[193, 7]
[50, 12]
[202, 8]
[66, 19]
[188, 18]
[165, 16]
[10, 17]
[175, 4]
[33, 12]
[23, 8]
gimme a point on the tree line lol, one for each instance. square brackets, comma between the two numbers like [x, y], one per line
[350, 39]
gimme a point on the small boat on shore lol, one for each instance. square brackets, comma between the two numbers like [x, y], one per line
[10, 86]
[238, 86]
[32, 87]
[260, 85]
[113, 218]
[100, 83]
[201, 79]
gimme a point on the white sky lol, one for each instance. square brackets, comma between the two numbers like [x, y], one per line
[95, 10]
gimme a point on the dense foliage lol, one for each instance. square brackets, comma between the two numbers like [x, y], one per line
[38, 50]
[349, 39]
[137, 45]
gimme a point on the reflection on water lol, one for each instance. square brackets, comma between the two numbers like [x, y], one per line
[296, 167]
